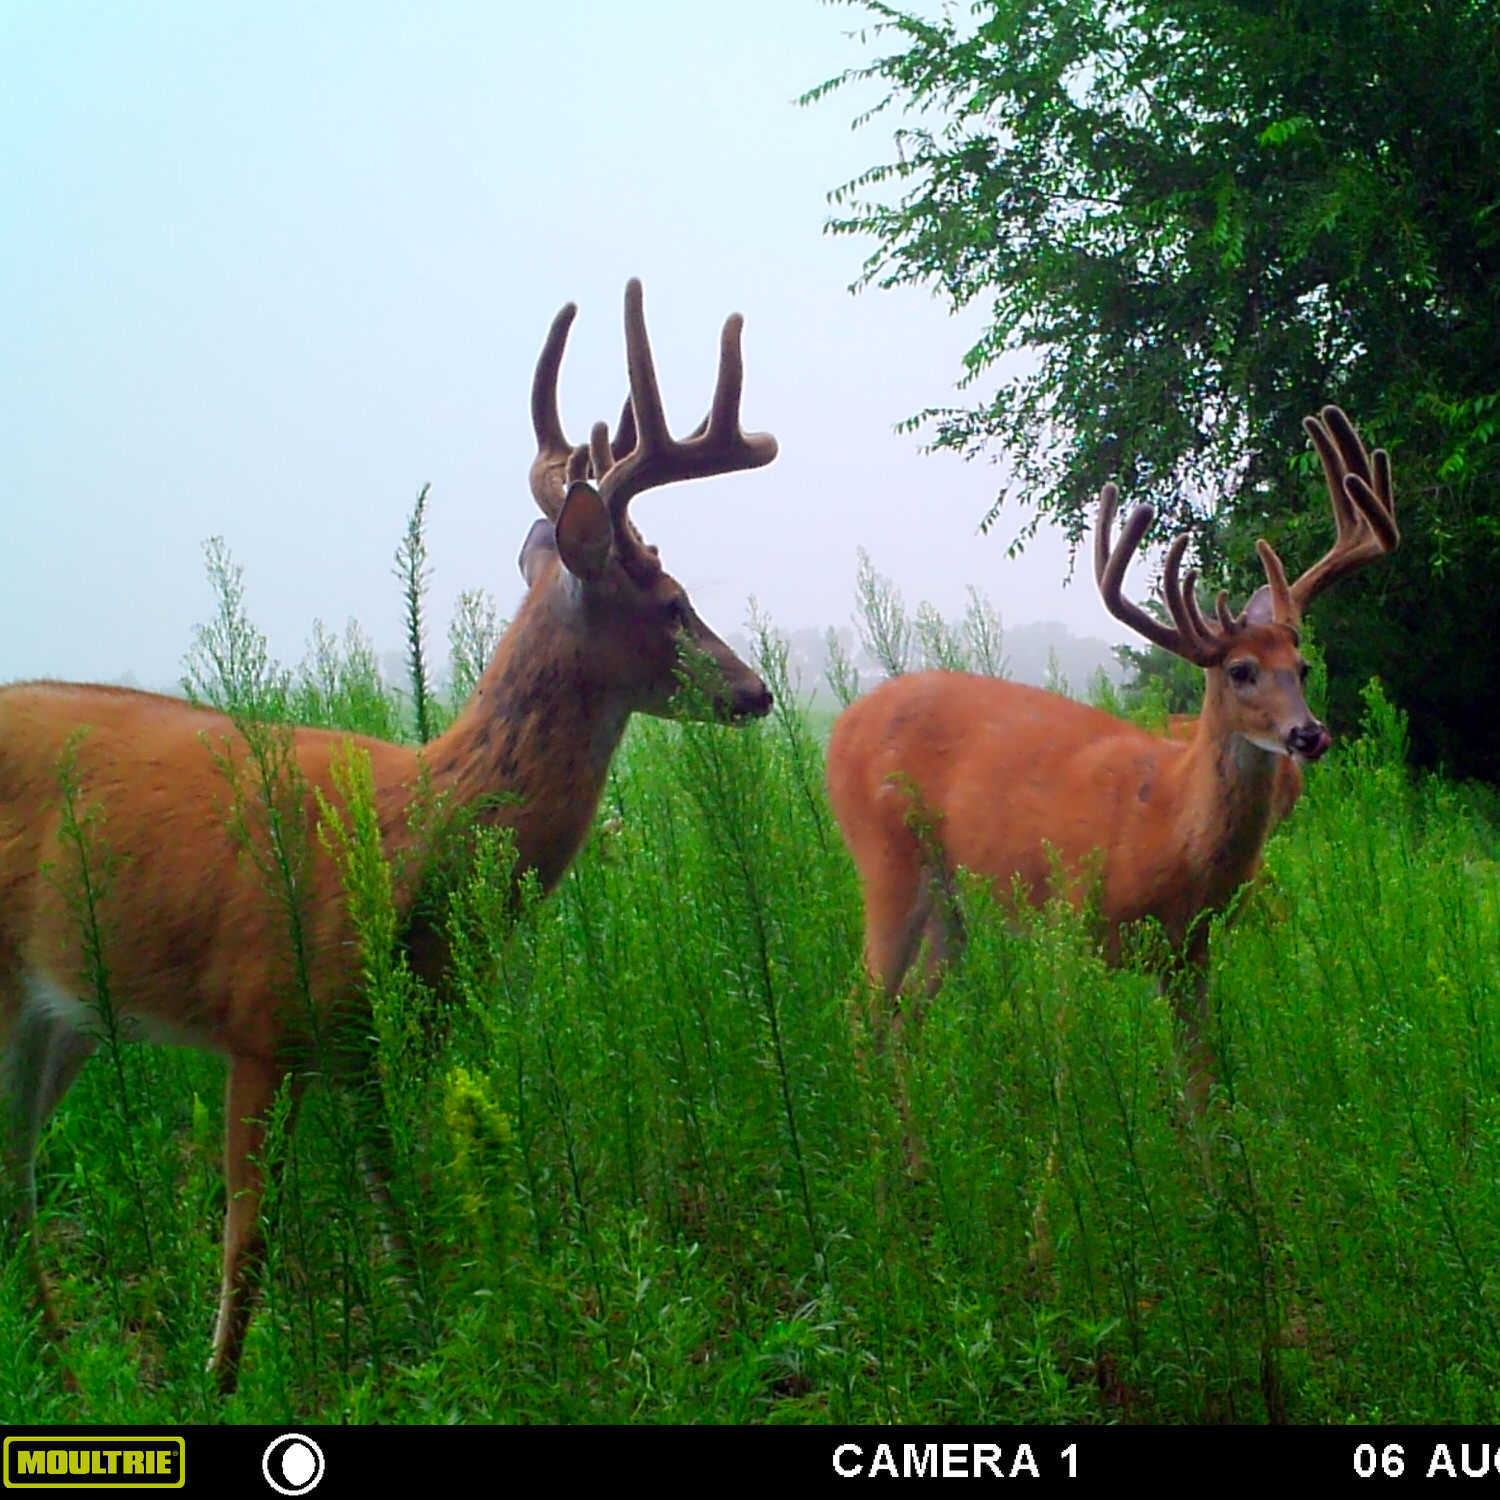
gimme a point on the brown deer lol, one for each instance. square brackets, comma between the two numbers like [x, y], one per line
[941, 770]
[193, 940]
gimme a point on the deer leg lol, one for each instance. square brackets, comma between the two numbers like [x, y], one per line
[942, 932]
[1039, 1252]
[249, 1095]
[377, 1156]
[903, 917]
[352, 1061]
[1188, 987]
[40, 1057]
[896, 913]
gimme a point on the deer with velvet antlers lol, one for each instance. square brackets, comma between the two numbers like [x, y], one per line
[941, 770]
[191, 931]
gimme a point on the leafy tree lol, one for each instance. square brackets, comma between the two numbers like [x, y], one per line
[1201, 222]
[1166, 682]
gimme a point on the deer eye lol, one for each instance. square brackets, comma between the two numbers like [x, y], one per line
[1242, 673]
[677, 613]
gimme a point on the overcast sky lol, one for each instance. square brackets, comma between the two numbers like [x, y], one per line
[267, 268]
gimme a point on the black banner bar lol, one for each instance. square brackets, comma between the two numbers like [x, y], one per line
[432, 1461]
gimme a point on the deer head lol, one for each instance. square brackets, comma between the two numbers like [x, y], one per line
[642, 630]
[1254, 668]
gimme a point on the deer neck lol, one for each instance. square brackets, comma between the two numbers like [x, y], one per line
[1230, 785]
[532, 748]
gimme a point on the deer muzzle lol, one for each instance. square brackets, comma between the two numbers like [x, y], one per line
[1309, 741]
[751, 701]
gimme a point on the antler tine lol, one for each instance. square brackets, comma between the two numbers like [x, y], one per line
[1336, 448]
[1201, 627]
[553, 450]
[1228, 621]
[1110, 563]
[1364, 505]
[1283, 606]
[1171, 587]
[1377, 502]
[718, 446]
[624, 439]
[1109, 503]
[1199, 643]
[601, 454]
[724, 411]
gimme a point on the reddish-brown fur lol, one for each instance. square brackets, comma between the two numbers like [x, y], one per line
[195, 943]
[941, 770]
[1182, 727]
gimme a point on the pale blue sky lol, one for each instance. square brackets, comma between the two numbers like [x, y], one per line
[266, 268]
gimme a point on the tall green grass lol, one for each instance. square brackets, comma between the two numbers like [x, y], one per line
[651, 1165]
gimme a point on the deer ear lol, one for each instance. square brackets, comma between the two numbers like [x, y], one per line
[585, 532]
[540, 544]
[1259, 609]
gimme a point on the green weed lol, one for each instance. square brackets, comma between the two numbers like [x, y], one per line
[651, 1168]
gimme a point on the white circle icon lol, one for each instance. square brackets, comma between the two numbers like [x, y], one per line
[292, 1464]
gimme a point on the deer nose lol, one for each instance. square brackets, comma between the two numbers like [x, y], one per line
[1309, 741]
[753, 703]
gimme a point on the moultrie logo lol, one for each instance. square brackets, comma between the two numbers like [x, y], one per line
[292, 1464]
[84, 1461]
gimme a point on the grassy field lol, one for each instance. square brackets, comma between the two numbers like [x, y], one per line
[654, 1168]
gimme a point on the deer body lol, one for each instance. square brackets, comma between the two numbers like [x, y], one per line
[194, 937]
[941, 771]
[193, 945]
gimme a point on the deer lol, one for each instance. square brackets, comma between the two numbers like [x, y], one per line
[937, 771]
[603, 632]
